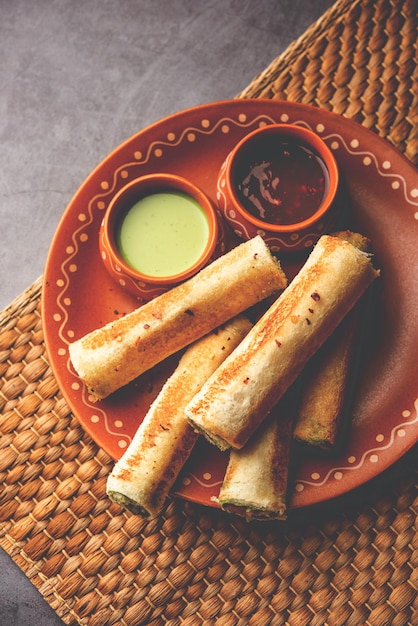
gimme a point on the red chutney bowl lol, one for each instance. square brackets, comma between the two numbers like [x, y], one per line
[280, 182]
[158, 231]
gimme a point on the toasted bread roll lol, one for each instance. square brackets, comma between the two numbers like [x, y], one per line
[142, 478]
[255, 485]
[240, 394]
[324, 387]
[330, 372]
[110, 357]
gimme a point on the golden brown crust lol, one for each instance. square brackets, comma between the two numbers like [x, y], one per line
[324, 387]
[142, 478]
[327, 376]
[255, 485]
[109, 358]
[238, 397]
[357, 240]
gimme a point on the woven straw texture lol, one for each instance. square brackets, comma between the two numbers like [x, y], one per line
[350, 562]
[359, 60]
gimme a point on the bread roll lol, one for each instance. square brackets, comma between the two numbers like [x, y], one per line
[329, 374]
[255, 485]
[240, 394]
[110, 357]
[142, 478]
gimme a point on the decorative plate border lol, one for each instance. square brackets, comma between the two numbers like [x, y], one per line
[155, 150]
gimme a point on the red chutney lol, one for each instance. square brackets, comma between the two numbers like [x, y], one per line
[282, 185]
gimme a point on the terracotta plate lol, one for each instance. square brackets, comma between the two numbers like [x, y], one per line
[381, 190]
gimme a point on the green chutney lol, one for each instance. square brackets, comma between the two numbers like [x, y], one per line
[163, 234]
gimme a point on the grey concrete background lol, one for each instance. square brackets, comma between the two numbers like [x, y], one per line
[78, 77]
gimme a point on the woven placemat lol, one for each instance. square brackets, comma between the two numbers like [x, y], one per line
[350, 562]
[358, 60]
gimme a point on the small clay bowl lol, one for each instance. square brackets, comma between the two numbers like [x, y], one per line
[280, 182]
[158, 231]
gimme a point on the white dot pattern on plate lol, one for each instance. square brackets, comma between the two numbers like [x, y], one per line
[225, 125]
